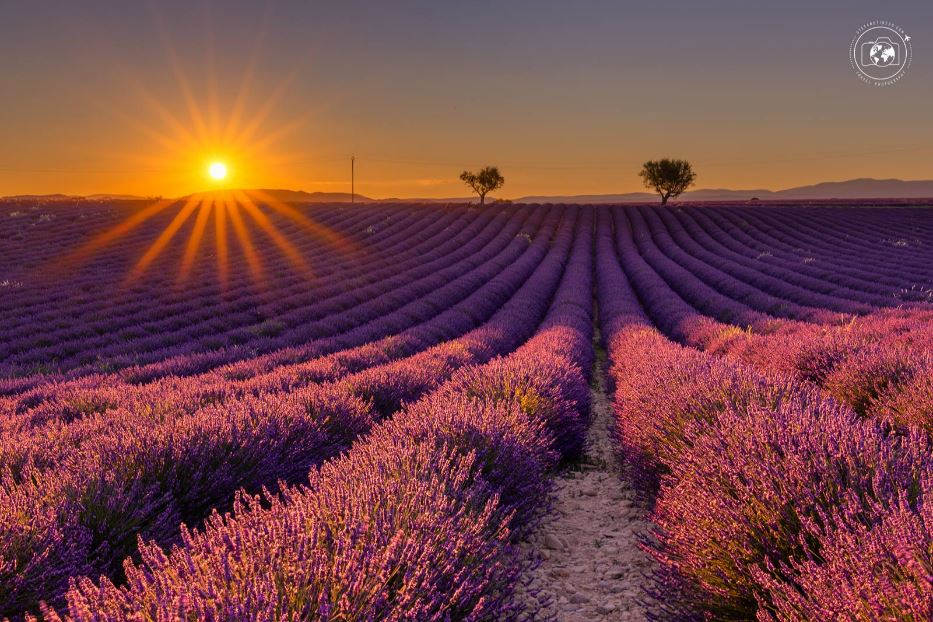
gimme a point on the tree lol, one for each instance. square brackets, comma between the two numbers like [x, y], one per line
[484, 182]
[668, 177]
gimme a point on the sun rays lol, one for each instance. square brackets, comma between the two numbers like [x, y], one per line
[240, 219]
[194, 141]
[225, 224]
[195, 114]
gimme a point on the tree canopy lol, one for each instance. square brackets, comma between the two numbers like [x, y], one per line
[668, 177]
[483, 182]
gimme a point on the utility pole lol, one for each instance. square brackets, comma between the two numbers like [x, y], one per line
[352, 179]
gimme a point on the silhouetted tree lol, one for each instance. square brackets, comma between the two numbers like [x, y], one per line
[668, 177]
[484, 182]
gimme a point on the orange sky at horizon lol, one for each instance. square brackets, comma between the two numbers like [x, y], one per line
[142, 99]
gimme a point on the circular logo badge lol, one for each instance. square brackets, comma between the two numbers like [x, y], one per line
[880, 53]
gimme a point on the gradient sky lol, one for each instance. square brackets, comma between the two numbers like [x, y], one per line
[566, 97]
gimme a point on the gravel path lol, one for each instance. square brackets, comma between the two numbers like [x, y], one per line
[584, 560]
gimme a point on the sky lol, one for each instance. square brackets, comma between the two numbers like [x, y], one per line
[565, 97]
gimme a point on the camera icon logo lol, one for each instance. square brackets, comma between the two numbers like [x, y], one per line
[880, 53]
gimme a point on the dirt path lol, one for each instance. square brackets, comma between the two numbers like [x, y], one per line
[589, 564]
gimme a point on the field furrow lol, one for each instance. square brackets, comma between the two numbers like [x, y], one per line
[268, 411]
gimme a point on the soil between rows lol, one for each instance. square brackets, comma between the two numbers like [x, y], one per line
[584, 561]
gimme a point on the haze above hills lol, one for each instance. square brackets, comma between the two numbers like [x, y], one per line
[864, 188]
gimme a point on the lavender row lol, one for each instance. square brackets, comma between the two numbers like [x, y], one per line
[330, 296]
[758, 244]
[858, 229]
[415, 522]
[868, 257]
[68, 236]
[110, 316]
[858, 232]
[775, 241]
[754, 290]
[101, 394]
[188, 466]
[711, 291]
[341, 308]
[113, 262]
[173, 322]
[326, 250]
[202, 360]
[39, 433]
[805, 256]
[729, 244]
[781, 283]
[336, 307]
[672, 314]
[795, 490]
[879, 365]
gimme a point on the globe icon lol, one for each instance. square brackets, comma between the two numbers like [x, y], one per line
[882, 52]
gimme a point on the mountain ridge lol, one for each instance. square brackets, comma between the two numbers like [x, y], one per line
[859, 188]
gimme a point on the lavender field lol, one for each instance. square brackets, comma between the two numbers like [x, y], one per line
[334, 412]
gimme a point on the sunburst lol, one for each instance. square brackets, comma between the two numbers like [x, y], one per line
[204, 140]
[217, 171]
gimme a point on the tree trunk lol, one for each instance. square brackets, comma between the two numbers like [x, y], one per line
[664, 198]
[482, 198]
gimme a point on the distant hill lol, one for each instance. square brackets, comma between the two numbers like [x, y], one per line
[432, 200]
[300, 196]
[42, 197]
[74, 197]
[864, 188]
[292, 196]
[117, 197]
[287, 196]
[852, 189]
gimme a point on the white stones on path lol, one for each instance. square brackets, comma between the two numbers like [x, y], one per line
[584, 562]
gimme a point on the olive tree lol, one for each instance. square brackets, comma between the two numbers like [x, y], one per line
[484, 182]
[669, 178]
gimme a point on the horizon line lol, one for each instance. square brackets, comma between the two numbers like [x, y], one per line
[361, 196]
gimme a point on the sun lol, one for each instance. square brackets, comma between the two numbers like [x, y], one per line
[217, 170]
